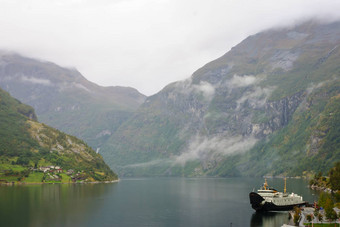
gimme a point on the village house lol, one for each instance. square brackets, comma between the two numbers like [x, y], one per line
[58, 170]
[70, 172]
[44, 168]
[51, 169]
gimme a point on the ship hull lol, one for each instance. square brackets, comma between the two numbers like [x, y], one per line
[259, 204]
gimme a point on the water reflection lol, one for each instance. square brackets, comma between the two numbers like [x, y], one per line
[49, 205]
[142, 202]
[269, 219]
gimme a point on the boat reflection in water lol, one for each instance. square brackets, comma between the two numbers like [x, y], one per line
[269, 219]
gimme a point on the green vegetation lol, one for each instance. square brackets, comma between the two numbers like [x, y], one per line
[334, 177]
[331, 215]
[68, 101]
[309, 143]
[331, 181]
[26, 146]
[326, 202]
[323, 224]
[284, 93]
[34, 177]
[14, 136]
[309, 217]
[297, 215]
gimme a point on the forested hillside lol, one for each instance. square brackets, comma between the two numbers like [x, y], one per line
[29, 148]
[64, 99]
[269, 106]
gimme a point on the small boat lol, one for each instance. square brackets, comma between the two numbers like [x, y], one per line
[269, 199]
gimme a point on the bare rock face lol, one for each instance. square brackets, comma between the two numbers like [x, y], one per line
[250, 104]
[281, 113]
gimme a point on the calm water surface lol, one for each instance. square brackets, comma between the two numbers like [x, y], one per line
[143, 202]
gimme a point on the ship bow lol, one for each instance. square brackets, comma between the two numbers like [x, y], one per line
[256, 201]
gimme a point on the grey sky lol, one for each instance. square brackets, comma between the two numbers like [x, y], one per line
[144, 44]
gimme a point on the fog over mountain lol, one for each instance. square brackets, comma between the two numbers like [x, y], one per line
[262, 99]
[269, 106]
[66, 100]
[145, 44]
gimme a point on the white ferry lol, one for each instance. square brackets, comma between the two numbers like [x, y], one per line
[269, 199]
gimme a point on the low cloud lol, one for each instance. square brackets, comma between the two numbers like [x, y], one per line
[206, 88]
[66, 86]
[150, 163]
[35, 80]
[242, 81]
[186, 34]
[183, 86]
[186, 87]
[313, 86]
[256, 97]
[202, 148]
[80, 86]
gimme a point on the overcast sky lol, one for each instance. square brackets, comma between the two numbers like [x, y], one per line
[144, 44]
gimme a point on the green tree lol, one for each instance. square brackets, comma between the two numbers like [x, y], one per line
[25, 173]
[328, 208]
[324, 196]
[337, 196]
[297, 214]
[320, 217]
[22, 161]
[334, 177]
[309, 218]
[332, 215]
[316, 212]
[329, 211]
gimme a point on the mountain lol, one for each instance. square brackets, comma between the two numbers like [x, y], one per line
[64, 99]
[28, 147]
[269, 106]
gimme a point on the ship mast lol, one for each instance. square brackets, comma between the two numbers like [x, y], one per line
[285, 189]
[265, 184]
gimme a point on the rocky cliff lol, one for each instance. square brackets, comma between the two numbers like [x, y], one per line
[242, 113]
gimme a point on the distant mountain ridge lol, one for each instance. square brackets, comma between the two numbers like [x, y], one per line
[269, 106]
[27, 146]
[64, 99]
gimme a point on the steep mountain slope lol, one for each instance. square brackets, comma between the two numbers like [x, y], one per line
[268, 106]
[64, 99]
[26, 144]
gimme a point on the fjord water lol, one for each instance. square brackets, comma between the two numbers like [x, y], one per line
[143, 202]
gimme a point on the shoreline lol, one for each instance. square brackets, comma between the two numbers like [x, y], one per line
[41, 183]
[321, 188]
